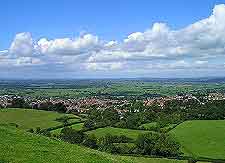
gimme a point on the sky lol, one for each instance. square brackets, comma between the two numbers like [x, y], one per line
[112, 39]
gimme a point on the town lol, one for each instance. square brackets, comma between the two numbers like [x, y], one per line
[82, 105]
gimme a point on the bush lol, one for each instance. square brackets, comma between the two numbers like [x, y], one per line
[30, 130]
[125, 148]
[46, 133]
[109, 143]
[90, 141]
[71, 135]
[157, 144]
[38, 130]
[105, 143]
[89, 124]
[63, 119]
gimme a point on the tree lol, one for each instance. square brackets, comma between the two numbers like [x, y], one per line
[157, 144]
[59, 107]
[72, 136]
[110, 116]
[89, 124]
[90, 141]
[105, 143]
[19, 103]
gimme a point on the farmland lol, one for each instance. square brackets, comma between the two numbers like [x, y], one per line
[20, 147]
[28, 118]
[136, 122]
[113, 88]
[202, 138]
[133, 134]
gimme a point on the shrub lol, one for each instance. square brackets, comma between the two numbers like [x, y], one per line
[157, 144]
[71, 135]
[38, 130]
[90, 141]
[46, 133]
[30, 130]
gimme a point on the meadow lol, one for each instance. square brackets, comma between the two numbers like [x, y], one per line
[21, 147]
[133, 134]
[202, 138]
[29, 118]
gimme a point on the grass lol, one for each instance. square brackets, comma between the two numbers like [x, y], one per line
[17, 146]
[148, 126]
[29, 118]
[202, 138]
[77, 126]
[133, 134]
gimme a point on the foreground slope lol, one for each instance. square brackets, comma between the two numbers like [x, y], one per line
[17, 146]
[202, 138]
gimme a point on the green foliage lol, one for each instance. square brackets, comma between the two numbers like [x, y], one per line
[90, 141]
[78, 127]
[72, 136]
[30, 130]
[49, 106]
[105, 143]
[193, 110]
[157, 144]
[125, 148]
[101, 118]
[38, 130]
[19, 103]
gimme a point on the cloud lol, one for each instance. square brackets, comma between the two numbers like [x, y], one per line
[22, 45]
[112, 66]
[203, 39]
[27, 61]
[66, 46]
[200, 45]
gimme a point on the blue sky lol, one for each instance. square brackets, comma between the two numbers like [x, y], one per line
[119, 38]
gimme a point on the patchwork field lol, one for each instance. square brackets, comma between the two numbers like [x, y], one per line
[27, 118]
[133, 134]
[202, 138]
[21, 147]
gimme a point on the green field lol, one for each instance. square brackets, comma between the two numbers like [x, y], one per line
[133, 134]
[123, 88]
[77, 126]
[21, 147]
[202, 138]
[27, 118]
[148, 126]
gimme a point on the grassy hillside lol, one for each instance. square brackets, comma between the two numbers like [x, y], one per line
[29, 118]
[205, 138]
[133, 134]
[17, 146]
